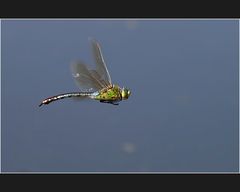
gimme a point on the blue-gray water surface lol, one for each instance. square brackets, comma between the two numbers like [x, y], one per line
[182, 115]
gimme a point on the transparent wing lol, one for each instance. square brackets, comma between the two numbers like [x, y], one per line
[85, 78]
[101, 68]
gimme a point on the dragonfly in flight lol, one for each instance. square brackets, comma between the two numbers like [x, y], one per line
[96, 82]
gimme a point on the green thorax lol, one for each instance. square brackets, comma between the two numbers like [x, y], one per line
[110, 93]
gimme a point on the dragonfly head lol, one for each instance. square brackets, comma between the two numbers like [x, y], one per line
[125, 93]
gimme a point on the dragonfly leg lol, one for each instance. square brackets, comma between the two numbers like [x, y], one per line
[109, 102]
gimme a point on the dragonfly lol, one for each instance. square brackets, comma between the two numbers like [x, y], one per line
[94, 83]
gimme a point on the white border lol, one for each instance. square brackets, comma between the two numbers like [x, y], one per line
[1, 95]
[122, 19]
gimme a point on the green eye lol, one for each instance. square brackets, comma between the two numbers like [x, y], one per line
[125, 93]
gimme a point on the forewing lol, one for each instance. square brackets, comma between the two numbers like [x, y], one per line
[101, 67]
[85, 78]
[96, 75]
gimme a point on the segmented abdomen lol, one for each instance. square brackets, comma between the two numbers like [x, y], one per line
[65, 95]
